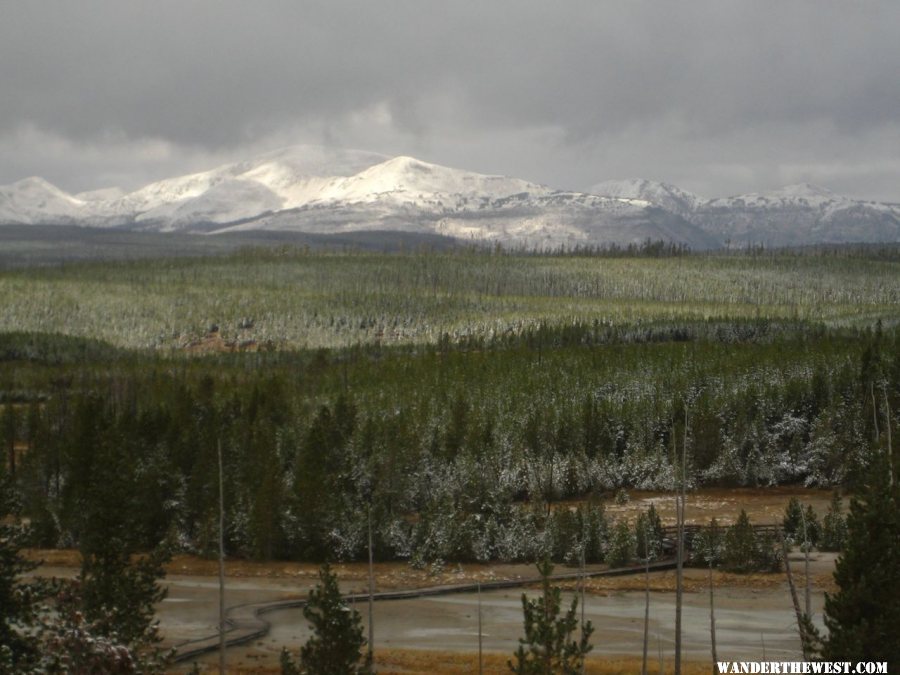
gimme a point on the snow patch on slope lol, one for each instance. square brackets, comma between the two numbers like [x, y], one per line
[319, 190]
[34, 201]
[666, 196]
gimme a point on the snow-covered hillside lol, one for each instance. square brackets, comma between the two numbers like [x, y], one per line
[797, 215]
[666, 196]
[34, 200]
[320, 190]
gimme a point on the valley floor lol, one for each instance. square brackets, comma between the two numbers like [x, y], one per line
[754, 614]
[754, 620]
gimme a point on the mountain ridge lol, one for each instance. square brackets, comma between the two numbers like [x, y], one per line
[321, 190]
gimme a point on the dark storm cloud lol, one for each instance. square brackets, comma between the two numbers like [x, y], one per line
[722, 96]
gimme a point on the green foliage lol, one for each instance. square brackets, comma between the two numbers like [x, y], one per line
[596, 529]
[55, 348]
[550, 646]
[52, 626]
[745, 551]
[322, 462]
[460, 434]
[740, 545]
[834, 526]
[327, 300]
[709, 545]
[310, 439]
[863, 616]
[811, 529]
[801, 525]
[118, 595]
[74, 644]
[621, 545]
[457, 398]
[648, 532]
[792, 524]
[337, 640]
[18, 617]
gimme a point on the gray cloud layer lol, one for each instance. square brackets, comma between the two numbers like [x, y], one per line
[718, 96]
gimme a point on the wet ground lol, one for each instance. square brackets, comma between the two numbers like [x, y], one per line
[754, 615]
[752, 621]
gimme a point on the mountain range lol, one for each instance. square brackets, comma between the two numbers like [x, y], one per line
[316, 190]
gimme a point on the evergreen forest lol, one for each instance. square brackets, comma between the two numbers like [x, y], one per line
[453, 398]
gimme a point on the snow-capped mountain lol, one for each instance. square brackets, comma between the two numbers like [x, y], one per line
[666, 196]
[322, 191]
[316, 190]
[795, 215]
[406, 194]
[34, 200]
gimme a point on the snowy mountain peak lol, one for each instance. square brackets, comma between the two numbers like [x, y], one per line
[803, 195]
[315, 160]
[101, 195]
[804, 191]
[323, 190]
[31, 182]
[35, 200]
[663, 195]
[37, 186]
[410, 177]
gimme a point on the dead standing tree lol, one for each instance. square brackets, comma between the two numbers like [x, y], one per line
[680, 499]
[222, 669]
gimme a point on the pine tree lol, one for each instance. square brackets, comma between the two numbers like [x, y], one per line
[8, 431]
[740, 545]
[813, 532]
[334, 648]
[709, 544]
[834, 526]
[649, 533]
[549, 646]
[115, 595]
[621, 546]
[792, 524]
[40, 636]
[18, 646]
[863, 617]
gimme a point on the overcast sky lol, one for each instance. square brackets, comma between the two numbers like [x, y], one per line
[715, 96]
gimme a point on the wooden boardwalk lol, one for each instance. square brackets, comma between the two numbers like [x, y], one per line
[246, 623]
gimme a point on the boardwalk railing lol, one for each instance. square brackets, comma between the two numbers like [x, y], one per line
[670, 532]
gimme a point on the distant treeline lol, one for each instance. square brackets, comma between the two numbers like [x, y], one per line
[23, 246]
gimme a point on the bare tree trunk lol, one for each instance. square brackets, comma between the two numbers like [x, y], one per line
[9, 423]
[679, 564]
[480, 655]
[808, 600]
[712, 619]
[583, 583]
[874, 409]
[371, 590]
[221, 564]
[679, 582]
[804, 640]
[646, 606]
[887, 426]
